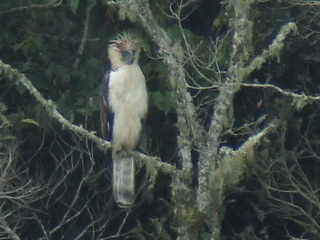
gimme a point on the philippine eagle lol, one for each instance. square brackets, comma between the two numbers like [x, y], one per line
[124, 105]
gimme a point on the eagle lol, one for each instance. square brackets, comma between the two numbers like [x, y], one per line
[123, 107]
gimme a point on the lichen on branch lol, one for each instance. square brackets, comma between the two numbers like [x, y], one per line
[13, 74]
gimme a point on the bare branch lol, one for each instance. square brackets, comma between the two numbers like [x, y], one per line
[84, 38]
[31, 7]
[11, 233]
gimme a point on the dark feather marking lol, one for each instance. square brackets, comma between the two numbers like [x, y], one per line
[106, 114]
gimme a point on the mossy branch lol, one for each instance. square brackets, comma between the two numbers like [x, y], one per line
[273, 50]
[234, 164]
[20, 79]
[234, 77]
[236, 73]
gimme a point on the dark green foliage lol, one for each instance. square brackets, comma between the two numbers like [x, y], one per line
[69, 178]
[59, 180]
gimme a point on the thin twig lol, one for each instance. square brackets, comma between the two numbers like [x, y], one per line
[83, 39]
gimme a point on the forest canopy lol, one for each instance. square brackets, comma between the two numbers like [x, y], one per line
[230, 148]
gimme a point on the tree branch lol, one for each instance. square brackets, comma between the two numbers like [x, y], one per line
[236, 73]
[20, 79]
[84, 37]
[31, 7]
[11, 233]
[190, 131]
[273, 50]
[209, 153]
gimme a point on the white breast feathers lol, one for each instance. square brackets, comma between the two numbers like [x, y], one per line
[128, 100]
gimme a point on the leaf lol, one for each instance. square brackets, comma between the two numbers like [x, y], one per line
[160, 230]
[139, 236]
[175, 33]
[300, 102]
[137, 232]
[164, 235]
[51, 2]
[107, 1]
[91, 4]
[7, 138]
[169, 102]
[156, 98]
[157, 225]
[164, 101]
[74, 5]
[29, 120]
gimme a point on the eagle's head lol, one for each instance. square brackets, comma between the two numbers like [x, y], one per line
[123, 51]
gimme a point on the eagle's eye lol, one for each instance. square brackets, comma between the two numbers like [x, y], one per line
[127, 57]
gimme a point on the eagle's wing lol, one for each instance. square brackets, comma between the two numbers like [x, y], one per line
[106, 114]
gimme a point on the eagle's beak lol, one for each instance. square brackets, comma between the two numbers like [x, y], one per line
[127, 57]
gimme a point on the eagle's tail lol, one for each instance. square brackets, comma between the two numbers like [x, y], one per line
[123, 180]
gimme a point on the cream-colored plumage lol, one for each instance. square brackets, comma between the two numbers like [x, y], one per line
[127, 99]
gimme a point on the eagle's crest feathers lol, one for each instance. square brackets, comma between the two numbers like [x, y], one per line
[125, 42]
